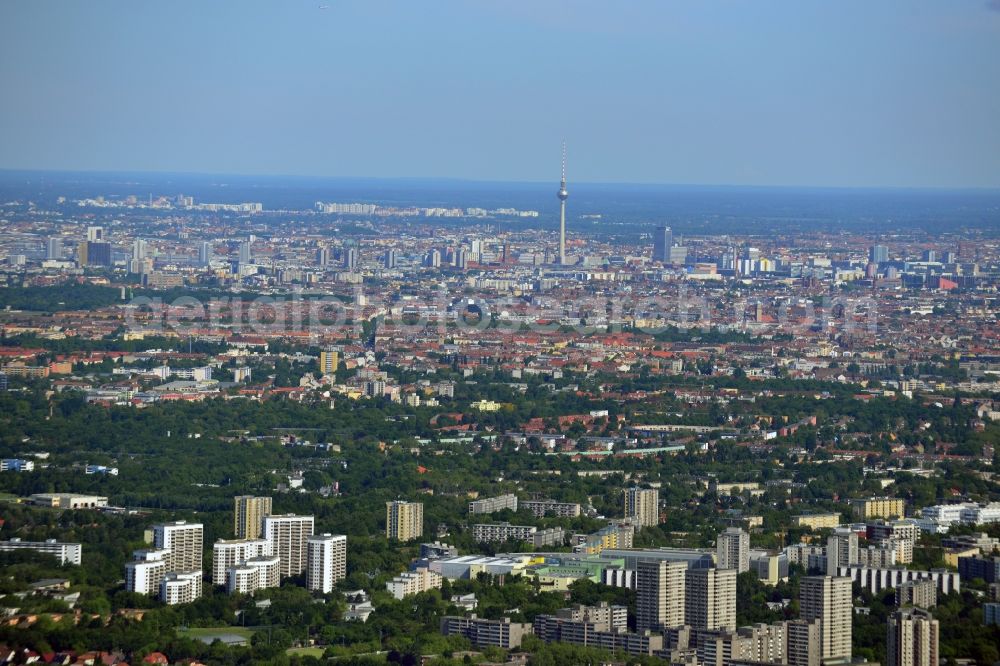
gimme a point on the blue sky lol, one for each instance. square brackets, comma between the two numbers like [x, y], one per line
[745, 92]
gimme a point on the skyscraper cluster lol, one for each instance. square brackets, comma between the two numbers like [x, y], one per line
[172, 569]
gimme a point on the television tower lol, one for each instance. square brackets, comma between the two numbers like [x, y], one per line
[563, 195]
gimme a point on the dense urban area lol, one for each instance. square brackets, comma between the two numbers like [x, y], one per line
[382, 432]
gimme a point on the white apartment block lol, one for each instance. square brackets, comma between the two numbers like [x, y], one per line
[981, 515]
[939, 518]
[542, 508]
[145, 572]
[326, 561]
[255, 573]
[876, 580]
[414, 582]
[287, 535]
[493, 504]
[841, 549]
[180, 587]
[230, 553]
[800, 553]
[242, 579]
[945, 513]
[733, 550]
[873, 557]
[485, 533]
[899, 535]
[897, 529]
[66, 553]
[183, 541]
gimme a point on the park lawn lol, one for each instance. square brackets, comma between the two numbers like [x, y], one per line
[305, 652]
[202, 632]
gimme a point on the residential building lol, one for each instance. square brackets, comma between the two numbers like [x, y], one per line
[180, 587]
[912, 638]
[288, 535]
[899, 535]
[599, 626]
[493, 504]
[326, 561]
[643, 505]
[404, 521]
[485, 533]
[660, 594]
[922, 593]
[817, 521]
[230, 553]
[987, 568]
[769, 567]
[329, 361]
[419, 580]
[828, 599]
[733, 550]
[145, 572]
[874, 557]
[804, 646]
[876, 580]
[710, 599]
[183, 542]
[614, 535]
[248, 515]
[255, 573]
[879, 507]
[242, 579]
[841, 549]
[542, 508]
[766, 643]
[17, 465]
[486, 633]
[66, 553]
[721, 648]
[551, 536]
[806, 555]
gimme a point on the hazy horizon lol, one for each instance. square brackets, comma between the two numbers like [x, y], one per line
[546, 184]
[894, 94]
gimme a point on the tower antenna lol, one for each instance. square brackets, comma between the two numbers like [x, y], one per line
[563, 195]
[564, 164]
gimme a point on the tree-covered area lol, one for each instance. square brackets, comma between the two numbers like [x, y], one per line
[67, 296]
[187, 460]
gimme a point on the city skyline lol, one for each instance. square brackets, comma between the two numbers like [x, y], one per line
[309, 356]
